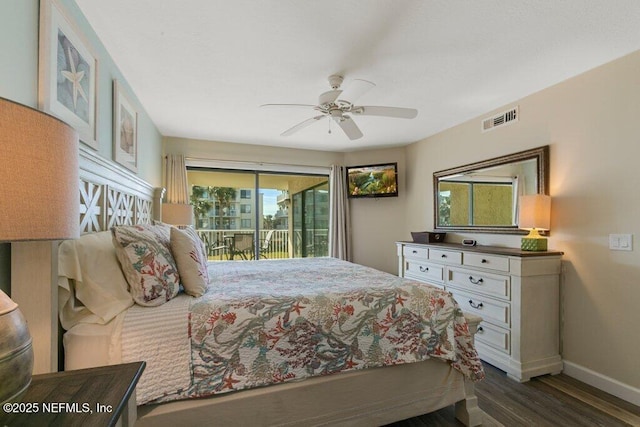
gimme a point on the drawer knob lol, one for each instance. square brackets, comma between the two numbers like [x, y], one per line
[424, 269]
[415, 252]
[484, 261]
[476, 282]
[475, 305]
[480, 330]
[443, 256]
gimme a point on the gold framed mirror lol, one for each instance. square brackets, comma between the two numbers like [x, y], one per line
[483, 196]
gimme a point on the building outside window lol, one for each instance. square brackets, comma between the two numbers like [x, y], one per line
[228, 202]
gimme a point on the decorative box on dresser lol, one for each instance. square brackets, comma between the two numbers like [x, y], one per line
[515, 292]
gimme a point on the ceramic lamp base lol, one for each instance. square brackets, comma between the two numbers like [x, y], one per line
[534, 244]
[16, 353]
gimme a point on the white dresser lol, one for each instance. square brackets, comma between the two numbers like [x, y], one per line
[515, 292]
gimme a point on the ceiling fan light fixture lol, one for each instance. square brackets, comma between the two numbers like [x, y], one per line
[335, 113]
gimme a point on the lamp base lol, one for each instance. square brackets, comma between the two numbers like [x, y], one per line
[16, 353]
[533, 244]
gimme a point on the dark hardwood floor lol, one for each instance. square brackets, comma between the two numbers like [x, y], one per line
[557, 400]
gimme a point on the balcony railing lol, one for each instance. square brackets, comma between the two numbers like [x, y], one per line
[220, 244]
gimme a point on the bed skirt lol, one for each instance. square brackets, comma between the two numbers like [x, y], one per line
[369, 397]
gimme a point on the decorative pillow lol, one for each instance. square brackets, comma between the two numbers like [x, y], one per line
[147, 263]
[191, 258]
[92, 287]
[162, 232]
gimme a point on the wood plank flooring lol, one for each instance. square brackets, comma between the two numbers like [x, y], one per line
[557, 400]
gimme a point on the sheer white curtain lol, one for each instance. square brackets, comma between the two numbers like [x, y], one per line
[339, 219]
[176, 208]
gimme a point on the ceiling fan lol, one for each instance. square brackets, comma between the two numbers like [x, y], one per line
[338, 105]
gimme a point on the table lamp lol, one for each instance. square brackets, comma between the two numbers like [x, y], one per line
[534, 214]
[176, 210]
[38, 202]
[177, 213]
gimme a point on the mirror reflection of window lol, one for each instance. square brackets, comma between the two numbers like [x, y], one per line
[483, 196]
[477, 203]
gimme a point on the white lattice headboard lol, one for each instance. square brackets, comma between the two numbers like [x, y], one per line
[108, 195]
[111, 195]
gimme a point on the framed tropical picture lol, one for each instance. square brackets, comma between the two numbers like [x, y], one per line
[67, 72]
[125, 128]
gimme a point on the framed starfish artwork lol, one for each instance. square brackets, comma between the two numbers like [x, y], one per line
[67, 72]
[125, 128]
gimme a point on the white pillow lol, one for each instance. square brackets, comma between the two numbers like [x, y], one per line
[147, 263]
[191, 258]
[92, 286]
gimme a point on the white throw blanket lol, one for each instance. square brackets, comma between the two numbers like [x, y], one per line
[158, 335]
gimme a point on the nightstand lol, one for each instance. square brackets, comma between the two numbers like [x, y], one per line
[103, 396]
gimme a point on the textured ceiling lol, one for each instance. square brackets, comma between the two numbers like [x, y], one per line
[202, 68]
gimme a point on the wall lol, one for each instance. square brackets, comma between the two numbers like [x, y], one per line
[376, 224]
[591, 124]
[19, 82]
[18, 77]
[214, 150]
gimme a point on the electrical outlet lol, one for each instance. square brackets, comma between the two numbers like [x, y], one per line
[621, 242]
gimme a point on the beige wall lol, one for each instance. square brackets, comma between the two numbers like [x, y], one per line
[592, 123]
[377, 223]
[249, 153]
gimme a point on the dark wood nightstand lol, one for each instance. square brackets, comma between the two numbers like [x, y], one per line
[103, 396]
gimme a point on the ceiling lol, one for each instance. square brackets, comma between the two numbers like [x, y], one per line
[202, 68]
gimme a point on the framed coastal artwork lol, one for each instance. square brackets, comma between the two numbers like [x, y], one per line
[67, 72]
[125, 128]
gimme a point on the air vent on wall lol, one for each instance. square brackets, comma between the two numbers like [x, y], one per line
[501, 119]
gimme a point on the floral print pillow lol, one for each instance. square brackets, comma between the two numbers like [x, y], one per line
[147, 263]
[191, 258]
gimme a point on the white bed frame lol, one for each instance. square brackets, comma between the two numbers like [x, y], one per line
[111, 195]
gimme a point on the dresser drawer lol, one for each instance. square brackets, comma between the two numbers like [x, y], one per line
[493, 311]
[492, 262]
[415, 252]
[450, 257]
[424, 272]
[494, 337]
[478, 281]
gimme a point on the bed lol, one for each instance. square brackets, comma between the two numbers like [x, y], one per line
[351, 387]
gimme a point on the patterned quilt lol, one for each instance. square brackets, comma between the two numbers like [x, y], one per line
[266, 322]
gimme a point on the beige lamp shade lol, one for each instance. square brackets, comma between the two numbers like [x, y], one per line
[177, 213]
[38, 175]
[535, 212]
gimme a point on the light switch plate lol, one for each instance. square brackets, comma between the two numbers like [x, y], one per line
[621, 242]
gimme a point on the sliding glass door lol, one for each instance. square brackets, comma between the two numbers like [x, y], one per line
[249, 214]
[311, 221]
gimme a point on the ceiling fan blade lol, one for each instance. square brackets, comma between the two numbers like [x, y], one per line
[397, 112]
[350, 128]
[355, 90]
[328, 97]
[302, 125]
[287, 106]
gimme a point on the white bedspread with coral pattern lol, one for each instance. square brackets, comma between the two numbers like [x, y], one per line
[266, 322]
